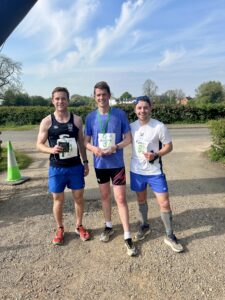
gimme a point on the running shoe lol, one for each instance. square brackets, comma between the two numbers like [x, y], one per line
[172, 241]
[83, 233]
[143, 230]
[131, 249]
[58, 239]
[108, 231]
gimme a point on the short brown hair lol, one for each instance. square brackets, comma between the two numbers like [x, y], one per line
[102, 85]
[61, 89]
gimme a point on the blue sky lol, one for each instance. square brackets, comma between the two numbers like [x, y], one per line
[177, 44]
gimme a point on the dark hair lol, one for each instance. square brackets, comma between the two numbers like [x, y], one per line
[61, 89]
[102, 85]
[142, 98]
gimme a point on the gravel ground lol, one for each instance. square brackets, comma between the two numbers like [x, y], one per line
[31, 268]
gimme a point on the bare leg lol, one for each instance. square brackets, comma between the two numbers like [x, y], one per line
[163, 201]
[106, 200]
[120, 197]
[78, 205]
[58, 200]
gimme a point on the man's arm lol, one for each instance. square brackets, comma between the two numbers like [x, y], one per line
[80, 142]
[127, 138]
[43, 136]
[96, 150]
[166, 148]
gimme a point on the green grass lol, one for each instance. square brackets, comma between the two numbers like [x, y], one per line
[215, 155]
[17, 128]
[22, 159]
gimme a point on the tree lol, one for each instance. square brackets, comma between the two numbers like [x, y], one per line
[125, 96]
[149, 88]
[210, 92]
[78, 100]
[12, 98]
[10, 72]
[39, 100]
[172, 96]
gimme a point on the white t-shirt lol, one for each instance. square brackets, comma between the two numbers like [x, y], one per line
[147, 138]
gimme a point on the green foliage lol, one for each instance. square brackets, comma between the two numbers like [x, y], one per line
[23, 115]
[125, 96]
[12, 98]
[210, 92]
[217, 150]
[22, 159]
[78, 100]
[168, 114]
[171, 96]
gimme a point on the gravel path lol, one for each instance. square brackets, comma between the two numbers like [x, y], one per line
[31, 268]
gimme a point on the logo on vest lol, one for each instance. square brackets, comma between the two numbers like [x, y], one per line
[70, 127]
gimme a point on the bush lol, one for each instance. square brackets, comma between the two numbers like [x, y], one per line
[168, 114]
[217, 150]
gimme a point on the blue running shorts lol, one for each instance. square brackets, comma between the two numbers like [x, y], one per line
[157, 183]
[60, 178]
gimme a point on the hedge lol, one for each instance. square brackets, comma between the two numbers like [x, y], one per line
[168, 114]
[217, 150]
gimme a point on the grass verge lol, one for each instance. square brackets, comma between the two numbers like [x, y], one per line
[18, 128]
[23, 160]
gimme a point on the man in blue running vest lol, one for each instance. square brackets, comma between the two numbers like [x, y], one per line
[64, 132]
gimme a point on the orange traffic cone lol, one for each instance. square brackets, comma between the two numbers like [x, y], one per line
[13, 172]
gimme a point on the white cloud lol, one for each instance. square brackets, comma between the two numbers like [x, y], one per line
[170, 57]
[56, 28]
[131, 13]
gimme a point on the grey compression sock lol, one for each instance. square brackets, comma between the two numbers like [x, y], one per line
[167, 221]
[143, 211]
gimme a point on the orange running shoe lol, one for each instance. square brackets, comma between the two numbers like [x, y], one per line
[83, 233]
[58, 239]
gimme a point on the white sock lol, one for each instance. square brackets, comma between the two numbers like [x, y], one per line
[108, 224]
[127, 235]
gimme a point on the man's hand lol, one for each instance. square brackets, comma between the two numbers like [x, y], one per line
[110, 150]
[97, 151]
[86, 170]
[56, 149]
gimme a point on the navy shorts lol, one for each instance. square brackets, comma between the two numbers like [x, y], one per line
[117, 175]
[158, 183]
[60, 178]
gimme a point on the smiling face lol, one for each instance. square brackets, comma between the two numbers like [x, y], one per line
[60, 101]
[102, 98]
[143, 111]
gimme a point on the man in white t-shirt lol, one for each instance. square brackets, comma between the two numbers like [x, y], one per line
[150, 141]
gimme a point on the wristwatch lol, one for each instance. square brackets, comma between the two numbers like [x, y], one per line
[155, 157]
[85, 161]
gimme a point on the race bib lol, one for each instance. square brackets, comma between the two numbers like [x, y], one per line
[69, 146]
[141, 146]
[106, 140]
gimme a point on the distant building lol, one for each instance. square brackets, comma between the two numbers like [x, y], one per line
[1, 101]
[112, 102]
[184, 101]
